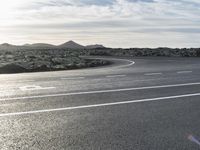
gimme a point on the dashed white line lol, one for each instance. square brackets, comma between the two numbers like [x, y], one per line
[153, 74]
[34, 87]
[20, 81]
[148, 79]
[99, 105]
[25, 81]
[73, 78]
[99, 91]
[170, 60]
[114, 76]
[182, 72]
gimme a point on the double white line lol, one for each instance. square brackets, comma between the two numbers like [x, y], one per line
[99, 105]
[104, 104]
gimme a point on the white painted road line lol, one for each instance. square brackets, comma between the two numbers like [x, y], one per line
[73, 78]
[25, 81]
[34, 87]
[100, 91]
[115, 76]
[20, 81]
[182, 72]
[131, 63]
[121, 66]
[153, 74]
[99, 105]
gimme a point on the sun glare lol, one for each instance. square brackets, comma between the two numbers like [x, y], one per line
[9, 9]
[9, 5]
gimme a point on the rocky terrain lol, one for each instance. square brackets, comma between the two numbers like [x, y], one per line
[47, 57]
[143, 52]
[43, 60]
[97, 49]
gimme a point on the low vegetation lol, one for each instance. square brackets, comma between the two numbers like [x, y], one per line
[44, 60]
[140, 52]
[33, 60]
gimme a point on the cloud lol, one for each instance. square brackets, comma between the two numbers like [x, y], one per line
[62, 3]
[178, 21]
[140, 1]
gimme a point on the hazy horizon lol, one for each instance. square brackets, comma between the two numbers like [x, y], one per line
[92, 44]
[112, 23]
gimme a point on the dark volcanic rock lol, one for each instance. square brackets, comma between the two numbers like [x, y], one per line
[12, 68]
[96, 46]
[43, 60]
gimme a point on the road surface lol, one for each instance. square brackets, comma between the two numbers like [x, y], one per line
[135, 103]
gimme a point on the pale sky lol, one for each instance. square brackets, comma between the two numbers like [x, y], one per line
[113, 23]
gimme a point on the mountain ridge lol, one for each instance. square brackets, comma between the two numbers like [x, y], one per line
[69, 45]
[72, 45]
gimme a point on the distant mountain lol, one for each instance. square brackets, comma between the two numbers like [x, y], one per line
[94, 46]
[74, 45]
[6, 46]
[67, 45]
[40, 45]
[71, 45]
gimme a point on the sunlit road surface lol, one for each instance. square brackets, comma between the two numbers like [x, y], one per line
[136, 103]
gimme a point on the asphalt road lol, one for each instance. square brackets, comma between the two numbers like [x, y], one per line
[135, 103]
